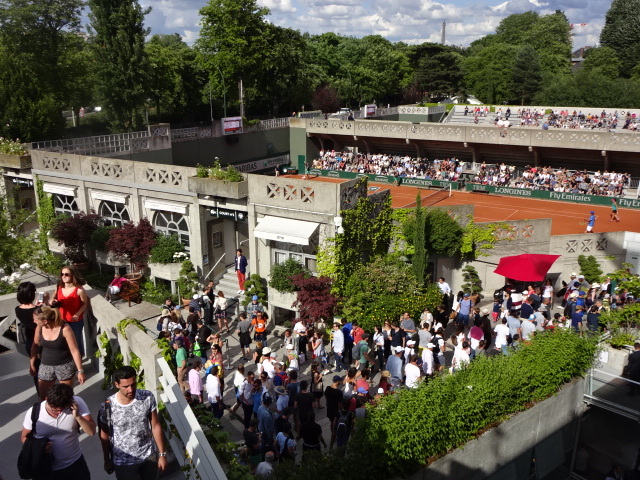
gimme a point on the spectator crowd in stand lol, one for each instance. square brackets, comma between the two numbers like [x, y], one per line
[556, 180]
[393, 165]
[575, 119]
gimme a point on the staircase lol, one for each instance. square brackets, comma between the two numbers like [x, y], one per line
[228, 283]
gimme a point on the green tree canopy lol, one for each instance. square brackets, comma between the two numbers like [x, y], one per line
[121, 62]
[621, 31]
[603, 60]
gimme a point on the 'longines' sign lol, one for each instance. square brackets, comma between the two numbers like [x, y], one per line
[234, 215]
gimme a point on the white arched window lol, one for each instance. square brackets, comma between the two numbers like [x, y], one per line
[114, 214]
[171, 223]
[65, 204]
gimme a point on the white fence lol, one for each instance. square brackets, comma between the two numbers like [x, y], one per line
[190, 446]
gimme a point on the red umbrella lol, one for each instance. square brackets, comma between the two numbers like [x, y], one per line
[528, 267]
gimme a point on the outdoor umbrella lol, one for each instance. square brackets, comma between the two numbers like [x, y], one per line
[528, 267]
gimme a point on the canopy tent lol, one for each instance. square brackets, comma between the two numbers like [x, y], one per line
[528, 267]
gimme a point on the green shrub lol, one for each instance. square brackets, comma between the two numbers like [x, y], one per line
[385, 289]
[165, 249]
[590, 268]
[282, 272]
[621, 323]
[99, 238]
[472, 282]
[155, 293]
[403, 430]
[10, 147]
[255, 285]
[189, 281]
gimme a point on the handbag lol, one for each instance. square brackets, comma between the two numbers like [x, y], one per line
[34, 461]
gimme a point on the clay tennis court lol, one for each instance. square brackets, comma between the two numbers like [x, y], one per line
[566, 217]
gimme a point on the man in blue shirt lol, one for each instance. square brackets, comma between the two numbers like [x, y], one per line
[394, 365]
[266, 424]
[591, 222]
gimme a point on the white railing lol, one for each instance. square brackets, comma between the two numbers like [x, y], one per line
[610, 392]
[270, 124]
[190, 446]
[97, 145]
[447, 118]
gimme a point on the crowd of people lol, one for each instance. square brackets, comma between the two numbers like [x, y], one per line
[556, 180]
[576, 119]
[280, 384]
[392, 165]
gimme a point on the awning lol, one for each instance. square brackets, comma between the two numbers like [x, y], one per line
[165, 206]
[285, 230]
[109, 197]
[59, 189]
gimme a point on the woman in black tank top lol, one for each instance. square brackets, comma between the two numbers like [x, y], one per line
[60, 356]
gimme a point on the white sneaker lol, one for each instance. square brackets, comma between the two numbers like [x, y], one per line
[239, 291]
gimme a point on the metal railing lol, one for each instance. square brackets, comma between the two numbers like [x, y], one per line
[98, 145]
[271, 124]
[613, 393]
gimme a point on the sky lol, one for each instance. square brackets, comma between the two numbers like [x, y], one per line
[410, 21]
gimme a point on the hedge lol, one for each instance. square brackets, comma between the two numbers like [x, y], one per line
[404, 430]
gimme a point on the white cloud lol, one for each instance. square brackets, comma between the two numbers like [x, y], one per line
[410, 21]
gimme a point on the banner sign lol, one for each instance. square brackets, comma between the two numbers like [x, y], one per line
[559, 196]
[413, 182]
[231, 125]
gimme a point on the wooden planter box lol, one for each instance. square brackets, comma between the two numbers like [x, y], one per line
[166, 271]
[15, 161]
[219, 188]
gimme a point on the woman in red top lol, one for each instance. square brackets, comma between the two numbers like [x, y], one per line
[71, 300]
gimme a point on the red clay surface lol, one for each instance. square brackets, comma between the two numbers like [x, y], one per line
[567, 218]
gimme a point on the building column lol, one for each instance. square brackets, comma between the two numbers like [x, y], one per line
[607, 161]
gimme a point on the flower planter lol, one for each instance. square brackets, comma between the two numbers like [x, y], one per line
[219, 188]
[15, 161]
[110, 259]
[166, 271]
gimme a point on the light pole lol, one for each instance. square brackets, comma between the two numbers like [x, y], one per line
[224, 91]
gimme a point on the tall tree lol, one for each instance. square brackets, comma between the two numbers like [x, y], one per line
[36, 77]
[620, 32]
[118, 45]
[232, 44]
[604, 60]
[174, 78]
[527, 75]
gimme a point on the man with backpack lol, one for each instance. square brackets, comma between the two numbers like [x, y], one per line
[344, 424]
[58, 419]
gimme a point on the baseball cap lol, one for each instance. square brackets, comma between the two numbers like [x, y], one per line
[580, 276]
[195, 297]
[485, 311]
[411, 342]
[574, 274]
[255, 297]
[431, 345]
[592, 212]
[362, 390]
[466, 294]
[582, 293]
[381, 391]
[337, 378]
[532, 317]
[398, 349]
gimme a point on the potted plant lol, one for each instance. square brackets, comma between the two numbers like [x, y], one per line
[13, 154]
[133, 243]
[215, 180]
[188, 281]
[165, 258]
[74, 232]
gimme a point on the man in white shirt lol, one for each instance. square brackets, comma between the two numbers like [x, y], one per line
[445, 289]
[265, 469]
[427, 359]
[59, 418]
[214, 393]
[527, 329]
[338, 346]
[501, 333]
[412, 372]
